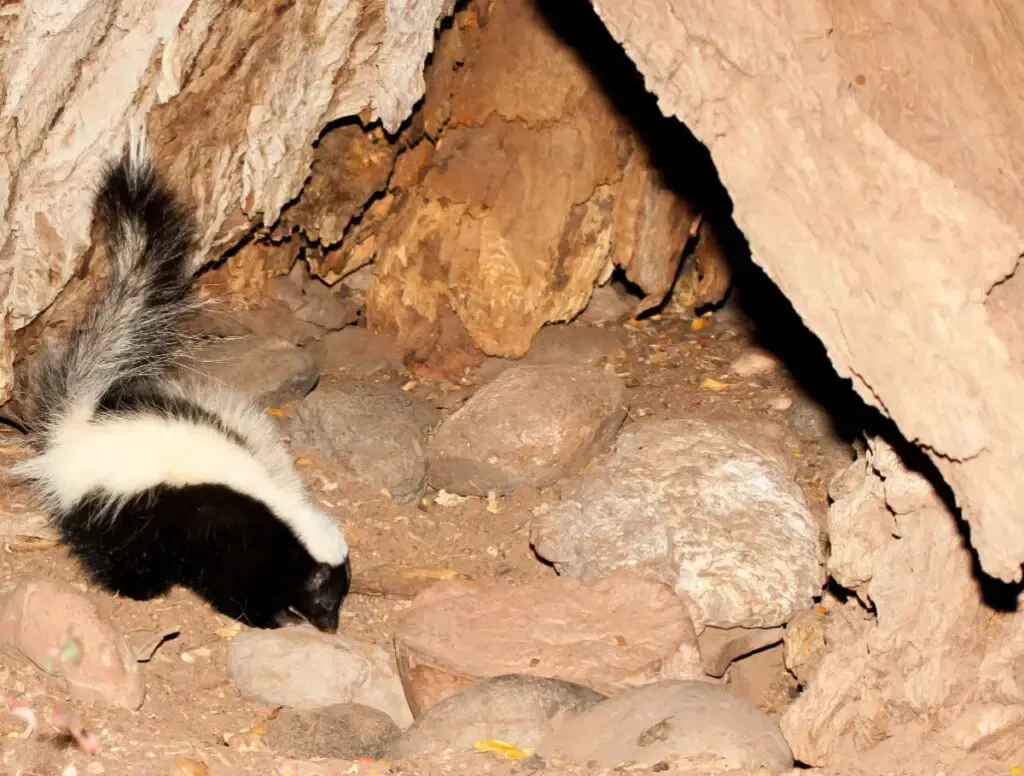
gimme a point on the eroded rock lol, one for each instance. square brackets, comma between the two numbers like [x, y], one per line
[645, 725]
[720, 646]
[268, 369]
[517, 709]
[307, 670]
[62, 632]
[345, 731]
[530, 426]
[701, 509]
[376, 432]
[613, 633]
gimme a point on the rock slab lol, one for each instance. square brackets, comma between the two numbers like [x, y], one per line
[307, 670]
[645, 725]
[62, 632]
[517, 709]
[613, 633]
[698, 507]
[531, 426]
[376, 432]
[346, 731]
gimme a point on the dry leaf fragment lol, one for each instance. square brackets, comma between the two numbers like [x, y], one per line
[276, 412]
[510, 751]
[711, 384]
[228, 632]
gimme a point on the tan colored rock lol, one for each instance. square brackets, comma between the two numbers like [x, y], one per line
[618, 632]
[305, 669]
[531, 426]
[721, 646]
[926, 648]
[234, 97]
[868, 149]
[269, 370]
[755, 363]
[534, 189]
[62, 632]
[684, 720]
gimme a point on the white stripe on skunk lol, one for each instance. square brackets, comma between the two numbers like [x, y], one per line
[154, 480]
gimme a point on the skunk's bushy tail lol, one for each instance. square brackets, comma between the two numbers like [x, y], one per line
[132, 334]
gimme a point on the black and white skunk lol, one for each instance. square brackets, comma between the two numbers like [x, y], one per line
[154, 480]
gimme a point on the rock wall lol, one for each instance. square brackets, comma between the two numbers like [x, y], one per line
[525, 184]
[875, 157]
[234, 94]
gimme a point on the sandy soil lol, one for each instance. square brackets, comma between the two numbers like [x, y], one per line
[192, 709]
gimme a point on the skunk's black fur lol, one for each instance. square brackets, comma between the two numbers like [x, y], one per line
[154, 481]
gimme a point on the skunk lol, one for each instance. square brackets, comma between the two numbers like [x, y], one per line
[154, 480]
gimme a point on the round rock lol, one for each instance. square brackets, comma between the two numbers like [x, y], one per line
[531, 426]
[378, 433]
[520, 710]
[698, 507]
[345, 732]
[607, 635]
[304, 669]
[648, 724]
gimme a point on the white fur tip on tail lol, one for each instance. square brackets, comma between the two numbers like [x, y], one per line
[138, 149]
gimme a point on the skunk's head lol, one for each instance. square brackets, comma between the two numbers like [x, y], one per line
[319, 599]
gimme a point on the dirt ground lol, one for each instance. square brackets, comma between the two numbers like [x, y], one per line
[192, 709]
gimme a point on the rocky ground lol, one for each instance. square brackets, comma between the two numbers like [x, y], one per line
[635, 508]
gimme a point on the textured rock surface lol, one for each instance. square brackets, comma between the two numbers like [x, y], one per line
[530, 426]
[345, 731]
[376, 432]
[532, 188]
[868, 148]
[360, 353]
[933, 648]
[517, 709]
[701, 509]
[269, 370]
[274, 76]
[614, 633]
[62, 632]
[644, 725]
[720, 646]
[308, 670]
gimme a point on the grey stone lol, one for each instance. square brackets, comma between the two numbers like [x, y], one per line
[360, 353]
[608, 305]
[676, 719]
[701, 509]
[574, 344]
[268, 369]
[346, 732]
[514, 708]
[531, 426]
[378, 433]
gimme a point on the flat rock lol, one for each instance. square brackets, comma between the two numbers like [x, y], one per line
[62, 632]
[531, 426]
[305, 669]
[696, 506]
[517, 709]
[575, 344]
[609, 634]
[376, 432]
[645, 725]
[360, 353]
[755, 362]
[269, 370]
[345, 731]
